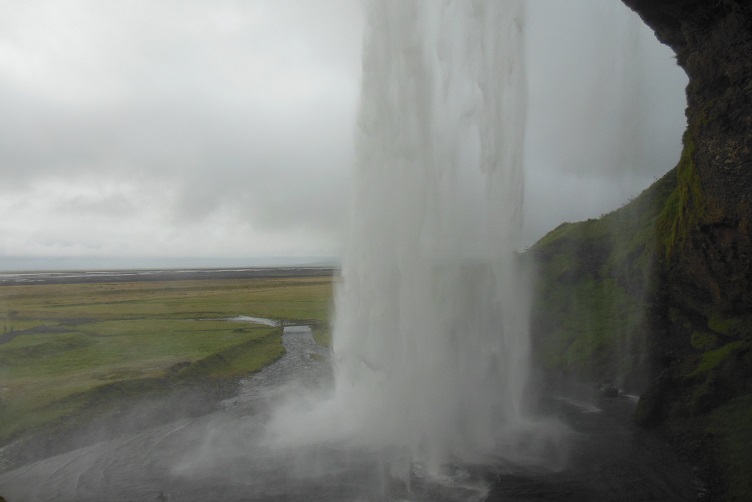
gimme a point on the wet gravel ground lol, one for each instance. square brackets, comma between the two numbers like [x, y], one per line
[304, 361]
[610, 460]
[222, 456]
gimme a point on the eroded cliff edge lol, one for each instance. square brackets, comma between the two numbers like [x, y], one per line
[657, 296]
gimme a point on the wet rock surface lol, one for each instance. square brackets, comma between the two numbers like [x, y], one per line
[610, 459]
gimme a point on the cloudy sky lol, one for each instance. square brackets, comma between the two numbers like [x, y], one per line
[156, 132]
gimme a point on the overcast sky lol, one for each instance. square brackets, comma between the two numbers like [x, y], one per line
[224, 129]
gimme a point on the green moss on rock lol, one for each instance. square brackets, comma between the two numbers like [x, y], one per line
[712, 359]
[733, 326]
[703, 341]
[595, 290]
[686, 205]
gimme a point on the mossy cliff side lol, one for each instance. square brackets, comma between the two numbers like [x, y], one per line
[606, 311]
[656, 297]
[706, 399]
[596, 293]
[710, 216]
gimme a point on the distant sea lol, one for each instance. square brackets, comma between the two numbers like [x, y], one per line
[11, 264]
[166, 274]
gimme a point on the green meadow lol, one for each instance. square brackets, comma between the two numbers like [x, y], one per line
[66, 346]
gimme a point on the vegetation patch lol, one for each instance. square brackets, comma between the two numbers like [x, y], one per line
[713, 359]
[596, 288]
[245, 357]
[685, 206]
[736, 326]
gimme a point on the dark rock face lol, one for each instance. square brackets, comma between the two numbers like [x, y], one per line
[657, 296]
[705, 293]
[661, 290]
[713, 44]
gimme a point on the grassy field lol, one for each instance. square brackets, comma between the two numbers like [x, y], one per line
[61, 345]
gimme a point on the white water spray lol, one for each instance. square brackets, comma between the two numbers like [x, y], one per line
[431, 339]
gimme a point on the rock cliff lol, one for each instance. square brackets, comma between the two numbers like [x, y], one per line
[709, 245]
[657, 296]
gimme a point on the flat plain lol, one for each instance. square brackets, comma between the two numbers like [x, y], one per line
[67, 348]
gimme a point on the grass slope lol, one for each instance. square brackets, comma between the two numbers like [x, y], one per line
[593, 291]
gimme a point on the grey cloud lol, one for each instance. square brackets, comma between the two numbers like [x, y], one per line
[238, 106]
[606, 111]
[99, 204]
[245, 111]
[600, 84]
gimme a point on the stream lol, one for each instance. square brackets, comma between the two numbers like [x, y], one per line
[225, 456]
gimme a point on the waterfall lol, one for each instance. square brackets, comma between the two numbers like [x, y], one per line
[430, 339]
